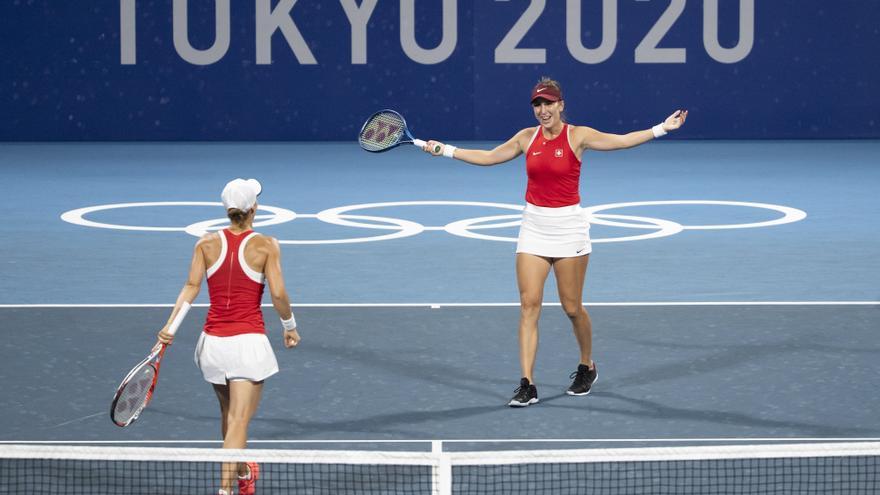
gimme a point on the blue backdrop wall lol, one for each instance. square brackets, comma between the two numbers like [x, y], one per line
[458, 69]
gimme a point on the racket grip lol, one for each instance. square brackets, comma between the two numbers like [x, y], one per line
[419, 143]
[178, 319]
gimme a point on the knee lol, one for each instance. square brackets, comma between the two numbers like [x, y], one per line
[530, 307]
[573, 310]
[237, 419]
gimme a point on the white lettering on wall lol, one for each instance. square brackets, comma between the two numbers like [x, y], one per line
[181, 34]
[127, 32]
[408, 33]
[507, 52]
[746, 32]
[358, 18]
[573, 33]
[647, 51]
[269, 21]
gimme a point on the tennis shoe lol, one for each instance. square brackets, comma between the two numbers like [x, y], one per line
[584, 378]
[248, 484]
[525, 395]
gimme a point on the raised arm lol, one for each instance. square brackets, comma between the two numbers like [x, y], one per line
[500, 154]
[190, 289]
[589, 138]
[278, 292]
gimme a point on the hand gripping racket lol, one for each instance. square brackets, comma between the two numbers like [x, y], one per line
[387, 129]
[136, 389]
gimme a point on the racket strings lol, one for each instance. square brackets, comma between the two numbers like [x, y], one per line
[382, 131]
[134, 394]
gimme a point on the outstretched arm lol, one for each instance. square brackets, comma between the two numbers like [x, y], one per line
[589, 138]
[280, 299]
[500, 154]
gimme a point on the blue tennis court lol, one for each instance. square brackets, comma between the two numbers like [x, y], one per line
[763, 331]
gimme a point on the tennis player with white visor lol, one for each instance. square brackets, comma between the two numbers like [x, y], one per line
[234, 353]
[554, 231]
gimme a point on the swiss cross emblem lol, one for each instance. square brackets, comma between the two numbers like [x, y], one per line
[558, 152]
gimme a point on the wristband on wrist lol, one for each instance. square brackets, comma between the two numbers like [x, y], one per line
[449, 150]
[289, 324]
[658, 131]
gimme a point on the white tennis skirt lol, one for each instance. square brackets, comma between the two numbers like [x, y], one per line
[247, 356]
[562, 232]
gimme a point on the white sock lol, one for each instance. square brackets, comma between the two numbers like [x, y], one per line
[248, 475]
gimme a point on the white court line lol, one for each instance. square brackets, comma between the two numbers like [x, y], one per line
[499, 440]
[473, 305]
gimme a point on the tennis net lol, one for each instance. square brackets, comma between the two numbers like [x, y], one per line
[829, 468]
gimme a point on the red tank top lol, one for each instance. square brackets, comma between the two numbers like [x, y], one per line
[235, 289]
[554, 171]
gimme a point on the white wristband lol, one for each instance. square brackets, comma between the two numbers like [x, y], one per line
[289, 324]
[449, 150]
[658, 131]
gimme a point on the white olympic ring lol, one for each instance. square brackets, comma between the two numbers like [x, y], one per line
[789, 214]
[406, 229]
[463, 228]
[332, 215]
[76, 217]
[667, 227]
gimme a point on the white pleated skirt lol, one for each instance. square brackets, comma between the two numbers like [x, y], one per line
[562, 232]
[248, 356]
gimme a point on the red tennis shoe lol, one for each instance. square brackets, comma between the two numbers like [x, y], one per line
[248, 484]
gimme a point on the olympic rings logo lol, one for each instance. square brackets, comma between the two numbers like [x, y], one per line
[470, 228]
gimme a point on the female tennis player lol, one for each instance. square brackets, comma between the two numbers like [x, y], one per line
[554, 231]
[233, 352]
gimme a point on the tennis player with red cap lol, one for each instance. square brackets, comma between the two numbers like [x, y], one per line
[554, 231]
[233, 352]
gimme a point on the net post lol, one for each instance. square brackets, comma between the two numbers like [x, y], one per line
[442, 483]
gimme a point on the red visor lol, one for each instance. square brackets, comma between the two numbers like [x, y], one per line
[547, 92]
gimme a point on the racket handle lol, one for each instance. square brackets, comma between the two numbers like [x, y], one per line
[178, 319]
[419, 143]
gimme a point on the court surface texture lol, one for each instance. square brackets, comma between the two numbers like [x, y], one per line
[733, 288]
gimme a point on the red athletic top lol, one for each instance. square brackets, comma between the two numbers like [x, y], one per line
[554, 172]
[236, 290]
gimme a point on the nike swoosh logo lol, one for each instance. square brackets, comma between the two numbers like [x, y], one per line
[542, 89]
[536, 153]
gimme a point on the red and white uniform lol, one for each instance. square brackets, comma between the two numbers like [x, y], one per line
[234, 345]
[553, 223]
[236, 290]
[554, 171]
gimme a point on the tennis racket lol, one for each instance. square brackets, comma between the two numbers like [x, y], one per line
[136, 389]
[387, 129]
